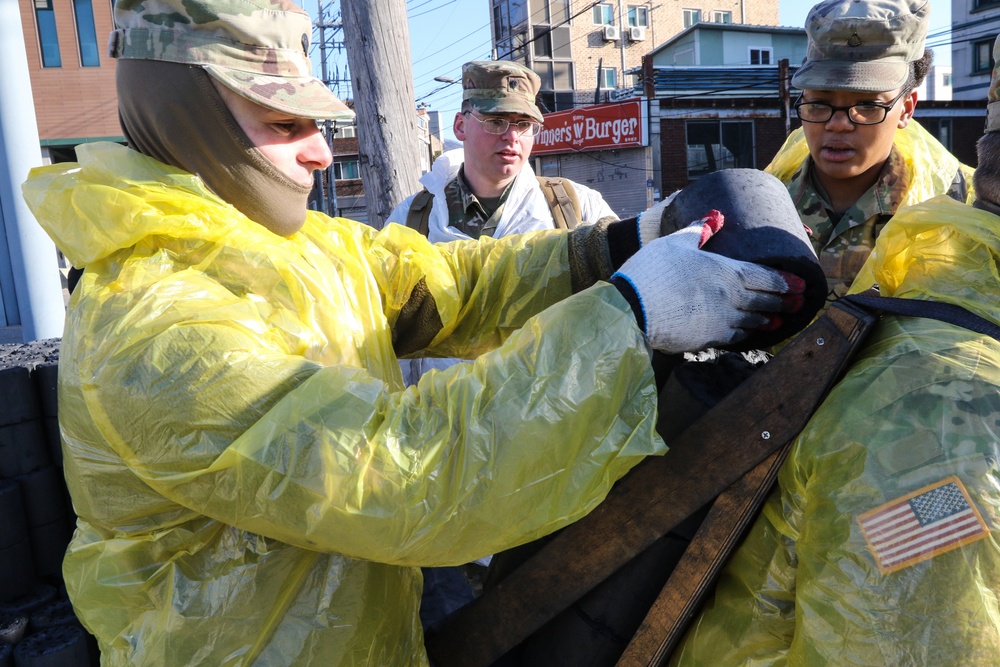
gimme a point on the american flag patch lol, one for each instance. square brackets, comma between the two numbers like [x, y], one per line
[930, 521]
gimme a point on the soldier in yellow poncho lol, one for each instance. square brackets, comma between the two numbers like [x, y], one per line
[859, 155]
[253, 482]
[880, 545]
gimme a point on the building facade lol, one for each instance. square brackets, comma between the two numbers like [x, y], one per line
[975, 26]
[583, 51]
[72, 77]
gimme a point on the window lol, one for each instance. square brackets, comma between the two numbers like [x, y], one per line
[500, 27]
[722, 17]
[940, 128]
[691, 16]
[713, 145]
[345, 131]
[607, 78]
[638, 16]
[549, 11]
[555, 75]
[549, 100]
[47, 37]
[549, 165]
[86, 33]
[345, 170]
[982, 56]
[984, 4]
[761, 55]
[604, 15]
[946, 80]
[551, 42]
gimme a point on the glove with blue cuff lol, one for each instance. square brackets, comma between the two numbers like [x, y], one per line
[687, 299]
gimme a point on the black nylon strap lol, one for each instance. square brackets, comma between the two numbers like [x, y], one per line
[935, 310]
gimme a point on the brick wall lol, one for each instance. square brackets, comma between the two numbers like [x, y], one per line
[665, 21]
[72, 101]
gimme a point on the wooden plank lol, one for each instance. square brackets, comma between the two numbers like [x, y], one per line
[731, 514]
[759, 417]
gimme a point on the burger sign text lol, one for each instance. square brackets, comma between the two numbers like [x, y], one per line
[602, 126]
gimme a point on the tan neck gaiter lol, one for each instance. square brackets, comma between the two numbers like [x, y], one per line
[172, 113]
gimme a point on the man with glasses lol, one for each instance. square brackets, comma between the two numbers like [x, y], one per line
[488, 188]
[860, 155]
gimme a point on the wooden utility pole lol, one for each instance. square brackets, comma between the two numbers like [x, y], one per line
[378, 54]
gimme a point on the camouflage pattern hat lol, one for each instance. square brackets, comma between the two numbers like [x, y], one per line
[993, 97]
[862, 45]
[258, 48]
[500, 86]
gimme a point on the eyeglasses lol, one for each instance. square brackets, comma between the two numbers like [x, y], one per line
[865, 113]
[497, 125]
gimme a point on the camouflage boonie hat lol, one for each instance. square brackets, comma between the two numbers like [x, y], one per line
[500, 86]
[863, 45]
[257, 48]
[993, 97]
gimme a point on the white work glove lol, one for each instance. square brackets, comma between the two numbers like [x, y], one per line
[649, 220]
[691, 299]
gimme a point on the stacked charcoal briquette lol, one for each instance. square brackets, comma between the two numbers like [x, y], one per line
[37, 624]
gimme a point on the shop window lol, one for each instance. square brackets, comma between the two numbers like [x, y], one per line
[47, 37]
[713, 145]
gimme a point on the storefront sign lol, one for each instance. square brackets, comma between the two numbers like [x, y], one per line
[592, 128]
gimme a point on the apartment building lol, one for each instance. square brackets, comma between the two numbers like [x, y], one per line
[975, 26]
[72, 77]
[583, 51]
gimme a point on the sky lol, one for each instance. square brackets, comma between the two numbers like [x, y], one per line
[446, 33]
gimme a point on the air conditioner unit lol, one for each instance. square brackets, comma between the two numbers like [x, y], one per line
[610, 33]
[637, 34]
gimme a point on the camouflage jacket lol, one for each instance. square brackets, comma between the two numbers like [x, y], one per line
[879, 545]
[918, 168]
[843, 244]
[467, 213]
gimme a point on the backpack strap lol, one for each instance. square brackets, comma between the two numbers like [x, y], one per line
[562, 200]
[935, 310]
[420, 212]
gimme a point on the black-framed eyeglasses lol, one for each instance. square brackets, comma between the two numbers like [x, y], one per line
[498, 125]
[863, 113]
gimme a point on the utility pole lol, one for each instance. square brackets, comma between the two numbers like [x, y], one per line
[378, 55]
[328, 29]
[784, 93]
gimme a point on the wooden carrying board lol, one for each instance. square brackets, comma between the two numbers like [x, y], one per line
[734, 449]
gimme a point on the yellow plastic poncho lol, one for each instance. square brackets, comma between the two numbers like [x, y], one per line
[932, 167]
[917, 419]
[253, 483]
